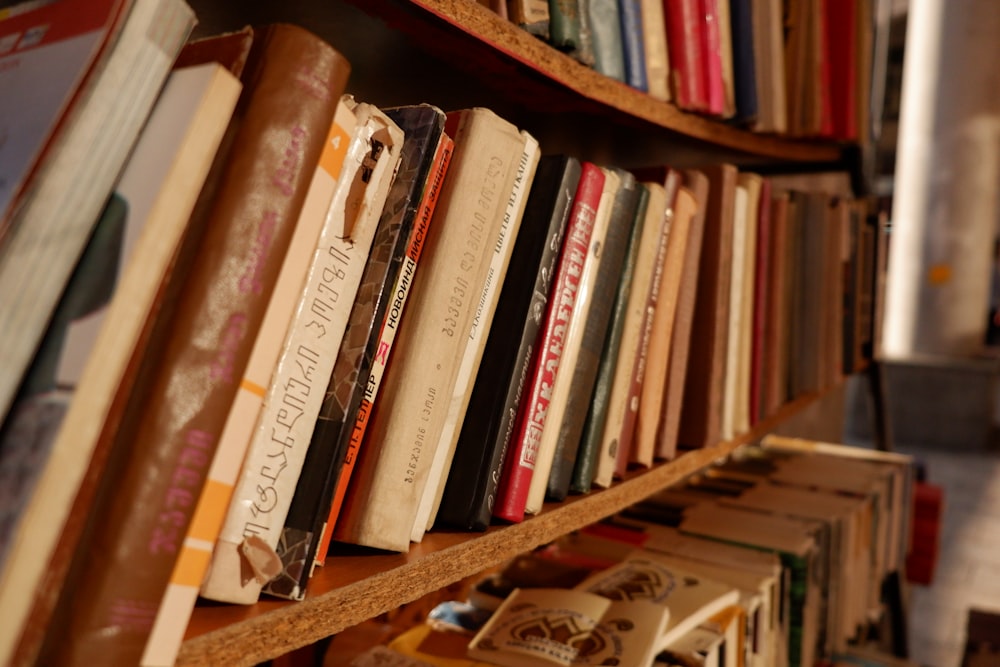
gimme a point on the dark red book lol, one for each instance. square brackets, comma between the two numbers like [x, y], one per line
[762, 297]
[842, 55]
[685, 37]
[523, 449]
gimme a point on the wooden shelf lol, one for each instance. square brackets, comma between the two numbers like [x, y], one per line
[354, 587]
[490, 45]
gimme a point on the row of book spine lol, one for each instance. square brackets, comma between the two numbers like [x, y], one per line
[378, 320]
[799, 68]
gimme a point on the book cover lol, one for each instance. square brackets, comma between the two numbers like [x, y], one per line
[700, 421]
[560, 408]
[680, 343]
[654, 43]
[654, 384]
[135, 543]
[605, 23]
[403, 265]
[470, 492]
[519, 466]
[605, 287]
[482, 322]
[543, 627]
[649, 303]
[633, 43]
[685, 34]
[364, 149]
[391, 471]
[591, 439]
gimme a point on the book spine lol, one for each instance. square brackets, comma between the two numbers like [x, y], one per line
[595, 334]
[482, 321]
[564, 24]
[391, 473]
[519, 467]
[400, 291]
[276, 148]
[735, 320]
[671, 184]
[591, 440]
[470, 492]
[654, 42]
[530, 15]
[711, 46]
[762, 298]
[685, 32]
[633, 45]
[559, 403]
[744, 60]
[606, 28]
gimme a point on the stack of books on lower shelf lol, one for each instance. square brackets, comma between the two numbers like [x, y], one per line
[774, 557]
[339, 323]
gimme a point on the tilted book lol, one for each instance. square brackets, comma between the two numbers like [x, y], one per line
[482, 321]
[125, 570]
[680, 343]
[365, 147]
[391, 473]
[470, 492]
[595, 333]
[403, 265]
[592, 438]
[519, 466]
[559, 403]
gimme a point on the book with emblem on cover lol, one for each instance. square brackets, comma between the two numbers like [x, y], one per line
[482, 322]
[249, 223]
[592, 344]
[470, 493]
[286, 417]
[559, 403]
[391, 472]
[519, 466]
[549, 627]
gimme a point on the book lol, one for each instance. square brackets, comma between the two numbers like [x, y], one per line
[735, 323]
[426, 187]
[470, 493]
[604, 288]
[56, 212]
[530, 15]
[564, 24]
[550, 626]
[655, 578]
[391, 471]
[591, 440]
[605, 23]
[616, 434]
[562, 385]
[761, 303]
[769, 66]
[633, 36]
[352, 180]
[685, 33]
[710, 33]
[724, 20]
[703, 388]
[775, 325]
[647, 423]
[748, 280]
[482, 322]
[680, 343]
[519, 466]
[158, 189]
[744, 61]
[203, 357]
[654, 43]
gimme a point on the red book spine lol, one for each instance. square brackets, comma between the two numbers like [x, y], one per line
[685, 32]
[762, 296]
[842, 56]
[711, 46]
[520, 462]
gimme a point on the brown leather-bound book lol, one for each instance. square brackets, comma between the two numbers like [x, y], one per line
[292, 83]
[701, 417]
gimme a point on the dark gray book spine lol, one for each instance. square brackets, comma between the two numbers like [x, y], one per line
[490, 420]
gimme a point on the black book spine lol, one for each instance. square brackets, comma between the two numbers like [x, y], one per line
[422, 127]
[475, 471]
[594, 336]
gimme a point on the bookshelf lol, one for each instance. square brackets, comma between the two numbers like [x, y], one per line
[354, 587]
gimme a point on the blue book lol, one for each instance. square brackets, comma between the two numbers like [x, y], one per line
[633, 49]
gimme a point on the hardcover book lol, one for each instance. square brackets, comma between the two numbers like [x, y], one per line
[482, 321]
[365, 158]
[402, 265]
[595, 334]
[748, 281]
[735, 324]
[654, 42]
[559, 404]
[633, 43]
[390, 475]
[470, 493]
[249, 223]
[519, 465]
[608, 43]
[685, 36]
